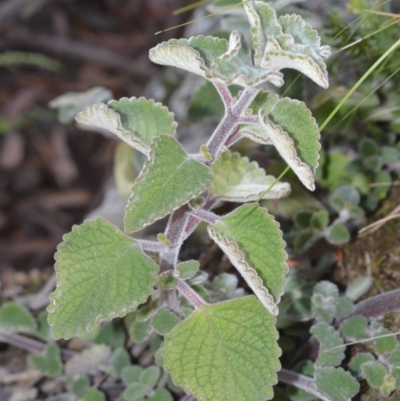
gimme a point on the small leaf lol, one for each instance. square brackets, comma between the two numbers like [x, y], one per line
[168, 180]
[161, 395]
[164, 321]
[335, 383]
[368, 147]
[329, 339]
[306, 239]
[394, 358]
[302, 219]
[188, 269]
[357, 361]
[111, 334]
[238, 180]
[337, 234]
[374, 372]
[344, 307]
[167, 280]
[320, 220]
[136, 392]
[131, 374]
[347, 194]
[300, 310]
[49, 364]
[15, 318]
[194, 55]
[354, 329]
[359, 287]
[118, 361]
[101, 274]
[324, 298]
[81, 385]
[389, 384]
[251, 239]
[94, 395]
[138, 331]
[88, 361]
[226, 282]
[290, 127]
[150, 376]
[387, 344]
[233, 336]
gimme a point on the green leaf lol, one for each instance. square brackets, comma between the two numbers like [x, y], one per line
[168, 180]
[328, 339]
[188, 269]
[167, 280]
[164, 321]
[335, 383]
[354, 329]
[302, 219]
[206, 104]
[320, 220]
[305, 239]
[118, 361]
[368, 147]
[136, 121]
[347, 194]
[286, 43]
[135, 392]
[101, 274]
[389, 384]
[394, 358]
[94, 395]
[344, 307]
[150, 376]
[300, 310]
[49, 364]
[359, 287]
[111, 334]
[88, 360]
[15, 318]
[138, 331]
[324, 298]
[337, 234]
[357, 361]
[131, 374]
[290, 127]
[81, 385]
[236, 67]
[194, 55]
[211, 353]
[387, 344]
[251, 239]
[44, 330]
[374, 372]
[238, 180]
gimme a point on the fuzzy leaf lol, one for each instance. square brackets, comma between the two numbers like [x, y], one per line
[49, 364]
[168, 180]
[188, 269]
[235, 67]
[287, 42]
[324, 298]
[194, 55]
[251, 239]
[88, 360]
[320, 220]
[131, 374]
[135, 392]
[233, 342]
[394, 358]
[164, 321]
[94, 395]
[150, 376]
[161, 395]
[15, 318]
[138, 331]
[101, 274]
[238, 180]
[355, 328]
[388, 385]
[387, 344]
[359, 287]
[374, 372]
[118, 361]
[357, 361]
[328, 338]
[337, 234]
[290, 127]
[136, 121]
[335, 383]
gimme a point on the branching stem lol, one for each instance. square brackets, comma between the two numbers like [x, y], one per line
[205, 215]
[190, 294]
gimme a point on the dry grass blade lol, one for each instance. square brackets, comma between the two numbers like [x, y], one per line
[395, 213]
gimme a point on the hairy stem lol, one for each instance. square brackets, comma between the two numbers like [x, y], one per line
[193, 222]
[150, 246]
[300, 381]
[205, 215]
[233, 114]
[190, 294]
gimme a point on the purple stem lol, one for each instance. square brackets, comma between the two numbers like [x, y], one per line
[190, 294]
[205, 215]
[150, 246]
[31, 345]
[193, 222]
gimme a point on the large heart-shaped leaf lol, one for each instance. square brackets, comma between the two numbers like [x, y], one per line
[238, 180]
[136, 121]
[226, 351]
[169, 179]
[101, 274]
[252, 240]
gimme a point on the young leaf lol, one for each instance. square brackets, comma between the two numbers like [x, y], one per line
[15, 318]
[355, 328]
[164, 321]
[136, 392]
[335, 383]
[94, 395]
[251, 239]
[337, 234]
[374, 372]
[320, 220]
[138, 331]
[328, 338]
[150, 376]
[394, 357]
[101, 274]
[188, 269]
[357, 361]
[290, 127]
[161, 395]
[118, 361]
[131, 374]
[168, 180]
[136, 121]
[81, 385]
[359, 287]
[387, 344]
[324, 298]
[238, 180]
[233, 342]
[48, 364]
[194, 55]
